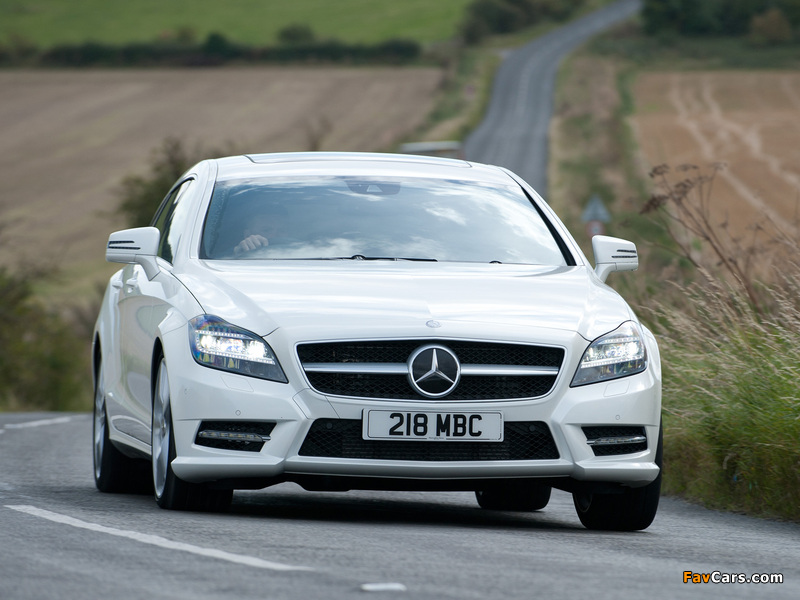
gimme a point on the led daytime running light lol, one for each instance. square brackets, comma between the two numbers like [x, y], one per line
[612, 351]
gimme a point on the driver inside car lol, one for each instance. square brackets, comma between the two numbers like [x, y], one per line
[266, 223]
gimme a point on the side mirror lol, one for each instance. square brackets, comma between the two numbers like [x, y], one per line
[613, 254]
[135, 246]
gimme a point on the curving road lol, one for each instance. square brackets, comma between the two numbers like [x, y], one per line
[514, 132]
[61, 538]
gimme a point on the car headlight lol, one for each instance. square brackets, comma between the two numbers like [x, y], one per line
[220, 345]
[616, 354]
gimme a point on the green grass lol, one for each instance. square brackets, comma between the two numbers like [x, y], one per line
[731, 399]
[254, 22]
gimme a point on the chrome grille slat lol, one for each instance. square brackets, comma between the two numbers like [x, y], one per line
[402, 369]
[373, 369]
[385, 368]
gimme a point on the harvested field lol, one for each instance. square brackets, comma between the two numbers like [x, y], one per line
[69, 137]
[748, 120]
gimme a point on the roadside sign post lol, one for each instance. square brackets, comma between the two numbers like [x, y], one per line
[595, 216]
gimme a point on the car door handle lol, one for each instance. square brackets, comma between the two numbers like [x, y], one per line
[132, 283]
[116, 284]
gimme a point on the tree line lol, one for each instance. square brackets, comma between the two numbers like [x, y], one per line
[769, 20]
[296, 43]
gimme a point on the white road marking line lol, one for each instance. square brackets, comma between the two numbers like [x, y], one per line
[155, 540]
[39, 423]
[383, 587]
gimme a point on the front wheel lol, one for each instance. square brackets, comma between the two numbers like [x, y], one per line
[631, 510]
[113, 471]
[170, 491]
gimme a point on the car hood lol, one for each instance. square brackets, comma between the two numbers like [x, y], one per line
[331, 299]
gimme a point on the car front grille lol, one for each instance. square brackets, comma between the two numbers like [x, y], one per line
[342, 438]
[378, 369]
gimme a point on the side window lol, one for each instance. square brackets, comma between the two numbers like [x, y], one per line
[171, 220]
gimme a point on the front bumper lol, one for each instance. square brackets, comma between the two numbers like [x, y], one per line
[200, 394]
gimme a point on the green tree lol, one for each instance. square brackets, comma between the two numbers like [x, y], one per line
[771, 28]
[790, 8]
[142, 194]
[296, 35]
[711, 17]
[44, 364]
[487, 17]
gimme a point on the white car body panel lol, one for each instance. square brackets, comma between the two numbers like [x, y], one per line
[351, 295]
[294, 302]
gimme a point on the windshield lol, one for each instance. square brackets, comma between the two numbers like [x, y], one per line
[370, 218]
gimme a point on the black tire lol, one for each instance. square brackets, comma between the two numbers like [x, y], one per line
[170, 491]
[632, 510]
[112, 469]
[522, 496]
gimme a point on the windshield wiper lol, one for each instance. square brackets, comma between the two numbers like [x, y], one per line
[354, 257]
[362, 257]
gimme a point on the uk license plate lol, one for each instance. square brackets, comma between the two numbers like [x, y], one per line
[433, 426]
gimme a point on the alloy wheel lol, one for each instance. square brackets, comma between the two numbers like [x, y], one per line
[99, 423]
[162, 430]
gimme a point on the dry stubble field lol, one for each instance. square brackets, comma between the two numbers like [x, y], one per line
[69, 137]
[748, 120]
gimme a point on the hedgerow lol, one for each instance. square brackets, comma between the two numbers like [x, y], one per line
[298, 45]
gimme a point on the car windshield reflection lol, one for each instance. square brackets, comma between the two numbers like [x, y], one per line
[376, 219]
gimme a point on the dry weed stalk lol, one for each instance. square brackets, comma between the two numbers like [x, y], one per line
[728, 344]
[686, 205]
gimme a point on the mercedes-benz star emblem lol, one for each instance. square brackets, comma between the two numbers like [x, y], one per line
[433, 371]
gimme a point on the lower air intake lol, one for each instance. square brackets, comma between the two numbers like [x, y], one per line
[342, 438]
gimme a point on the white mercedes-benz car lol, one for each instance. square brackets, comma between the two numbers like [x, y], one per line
[373, 321]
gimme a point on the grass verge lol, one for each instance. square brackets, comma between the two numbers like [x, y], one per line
[731, 398]
[728, 340]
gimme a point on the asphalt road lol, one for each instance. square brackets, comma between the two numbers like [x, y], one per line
[514, 132]
[61, 538]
